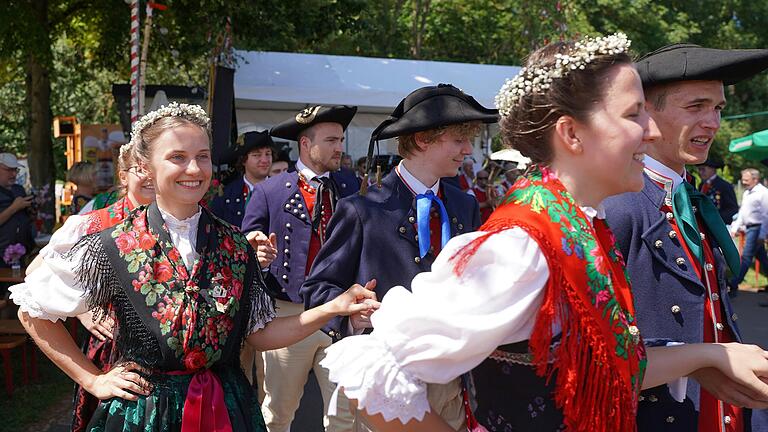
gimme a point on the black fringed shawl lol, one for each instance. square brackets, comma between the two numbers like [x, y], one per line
[171, 319]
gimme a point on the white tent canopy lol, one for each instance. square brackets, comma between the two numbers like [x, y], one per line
[272, 86]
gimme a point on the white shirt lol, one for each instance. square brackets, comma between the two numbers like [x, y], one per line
[247, 183]
[445, 326]
[665, 175]
[414, 184]
[309, 174]
[753, 210]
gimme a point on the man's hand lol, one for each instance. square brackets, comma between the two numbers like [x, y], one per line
[266, 247]
[21, 203]
[357, 299]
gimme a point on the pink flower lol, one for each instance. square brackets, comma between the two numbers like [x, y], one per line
[600, 264]
[603, 297]
[146, 240]
[126, 243]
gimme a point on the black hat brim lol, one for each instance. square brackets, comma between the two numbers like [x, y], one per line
[290, 129]
[435, 112]
[688, 62]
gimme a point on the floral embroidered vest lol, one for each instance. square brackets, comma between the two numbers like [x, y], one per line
[175, 319]
[599, 362]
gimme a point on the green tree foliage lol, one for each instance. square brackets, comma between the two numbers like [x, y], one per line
[59, 57]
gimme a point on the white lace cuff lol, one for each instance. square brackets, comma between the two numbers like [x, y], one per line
[368, 371]
[21, 295]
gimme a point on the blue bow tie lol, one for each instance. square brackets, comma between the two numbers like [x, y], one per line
[423, 206]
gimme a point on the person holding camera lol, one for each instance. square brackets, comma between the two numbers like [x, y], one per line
[15, 222]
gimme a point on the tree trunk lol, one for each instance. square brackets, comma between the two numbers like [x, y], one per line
[38, 105]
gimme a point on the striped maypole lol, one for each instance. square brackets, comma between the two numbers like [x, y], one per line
[135, 78]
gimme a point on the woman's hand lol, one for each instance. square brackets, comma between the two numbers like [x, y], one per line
[740, 375]
[121, 381]
[100, 329]
[357, 299]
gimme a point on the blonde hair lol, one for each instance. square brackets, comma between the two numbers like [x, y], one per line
[82, 173]
[407, 146]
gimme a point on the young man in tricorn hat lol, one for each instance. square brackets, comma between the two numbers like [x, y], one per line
[397, 229]
[253, 158]
[673, 239]
[297, 207]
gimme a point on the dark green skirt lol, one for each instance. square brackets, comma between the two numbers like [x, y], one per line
[162, 410]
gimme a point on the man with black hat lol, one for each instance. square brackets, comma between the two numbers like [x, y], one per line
[397, 229]
[718, 190]
[297, 206]
[673, 239]
[253, 158]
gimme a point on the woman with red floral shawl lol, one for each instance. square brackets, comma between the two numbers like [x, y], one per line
[536, 302]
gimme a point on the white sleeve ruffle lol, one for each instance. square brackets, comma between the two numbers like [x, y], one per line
[445, 327]
[51, 291]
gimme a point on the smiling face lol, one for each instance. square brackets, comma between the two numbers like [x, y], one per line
[446, 153]
[616, 135]
[180, 165]
[688, 116]
[139, 187]
[258, 162]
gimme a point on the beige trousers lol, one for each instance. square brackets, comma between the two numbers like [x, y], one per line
[285, 373]
[250, 358]
[445, 399]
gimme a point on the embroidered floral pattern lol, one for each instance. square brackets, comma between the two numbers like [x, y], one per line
[195, 322]
[578, 236]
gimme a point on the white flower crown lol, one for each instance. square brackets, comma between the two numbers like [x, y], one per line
[190, 112]
[534, 80]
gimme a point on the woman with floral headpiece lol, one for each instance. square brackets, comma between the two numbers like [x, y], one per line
[536, 302]
[186, 291]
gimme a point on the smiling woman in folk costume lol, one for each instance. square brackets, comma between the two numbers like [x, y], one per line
[186, 291]
[536, 303]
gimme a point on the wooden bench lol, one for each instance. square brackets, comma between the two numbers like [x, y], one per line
[11, 326]
[7, 344]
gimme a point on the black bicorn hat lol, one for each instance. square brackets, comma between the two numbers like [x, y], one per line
[689, 62]
[290, 129]
[433, 107]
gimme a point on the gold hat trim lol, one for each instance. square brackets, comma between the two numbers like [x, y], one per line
[307, 115]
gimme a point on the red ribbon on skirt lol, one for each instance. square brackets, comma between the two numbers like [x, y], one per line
[204, 407]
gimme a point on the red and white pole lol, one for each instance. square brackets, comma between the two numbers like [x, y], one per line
[135, 77]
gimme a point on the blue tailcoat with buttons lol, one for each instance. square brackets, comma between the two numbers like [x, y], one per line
[659, 286]
[373, 236]
[277, 206]
[230, 206]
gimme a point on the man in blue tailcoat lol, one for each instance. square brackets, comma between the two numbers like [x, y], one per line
[395, 230]
[294, 208]
[673, 238]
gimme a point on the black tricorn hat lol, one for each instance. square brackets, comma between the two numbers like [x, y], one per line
[247, 142]
[429, 108]
[713, 162]
[689, 62]
[290, 129]
[433, 107]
